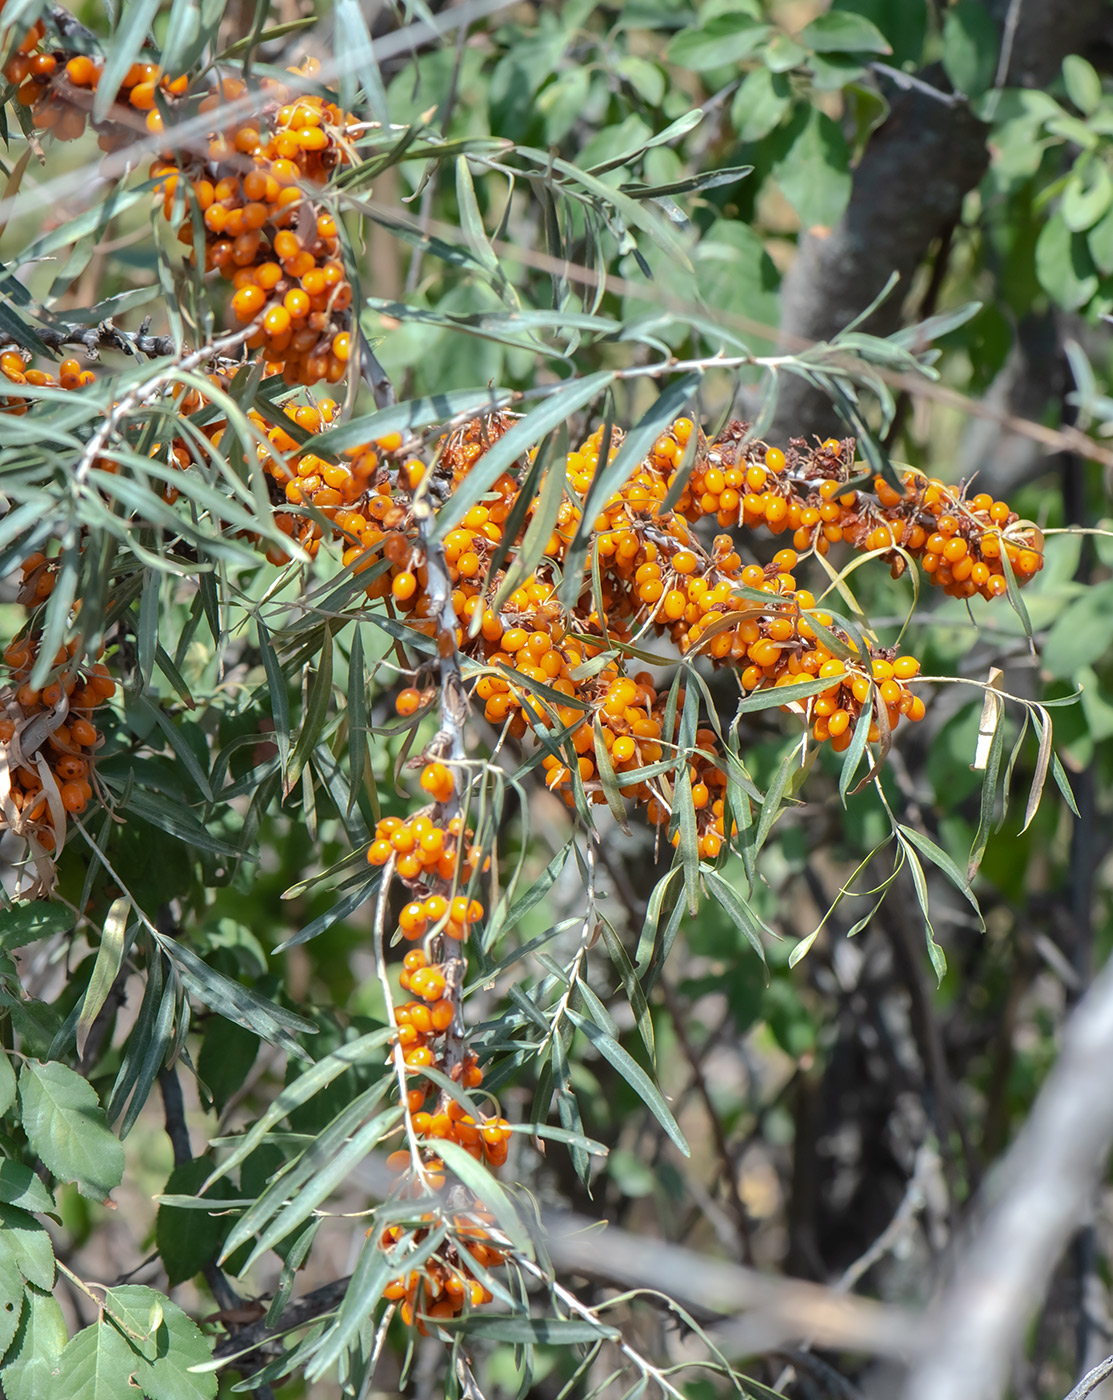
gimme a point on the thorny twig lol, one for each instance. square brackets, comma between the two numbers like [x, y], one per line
[1092, 1379]
[448, 743]
[134, 398]
[94, 339]
[587, 930]
[397, 1054]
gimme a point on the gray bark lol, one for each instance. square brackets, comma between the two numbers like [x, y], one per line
[908, 189]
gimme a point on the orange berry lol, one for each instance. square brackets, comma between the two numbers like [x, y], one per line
[248, 302]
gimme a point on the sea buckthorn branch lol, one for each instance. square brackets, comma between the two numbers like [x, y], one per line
[94, 339]
[148, 389]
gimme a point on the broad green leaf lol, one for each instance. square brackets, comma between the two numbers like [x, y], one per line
[170, 1343]
[24, 923]
[812, 168]
[187, 1240]
[1086, 197]
[19, 1186]
[971, 45]
[7, 1083]
[13, 1289]
[96, 1364]
[25, 1244]
[1082, 83]
[760, 104]
[635, 1076]
[722, 40]
[841, 31]
[1081, 634]
[29, 1364]
[66, 1127]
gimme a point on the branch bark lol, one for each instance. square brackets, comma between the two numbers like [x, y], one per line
[910, 185]
[1037, 1198]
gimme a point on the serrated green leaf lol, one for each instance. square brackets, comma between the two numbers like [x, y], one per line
[7, 1083]
[29, 1364]
[170, 1344]
[19, 1186]
[21, 924]
[25, 1243]
[96, 1364]
[13, 1288]
[66, 1127]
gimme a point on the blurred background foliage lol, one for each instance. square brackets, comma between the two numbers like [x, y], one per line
[812, 1095]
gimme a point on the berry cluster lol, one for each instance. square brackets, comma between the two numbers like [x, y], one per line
[48, 740]
[959, 541]
[16, 369]
[445, 1283]
[57, 85]
[433, 855]
[255, 181]
[256, 189]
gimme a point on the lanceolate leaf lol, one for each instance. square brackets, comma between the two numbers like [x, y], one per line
[635, 1076]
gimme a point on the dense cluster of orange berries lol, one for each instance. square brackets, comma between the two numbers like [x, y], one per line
[958, 540]
[16, 369]
[47, 733]
[656, 573]
[57, 85]
[256, 189]
[432, 854]
[256, 182]
[445, 1284]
